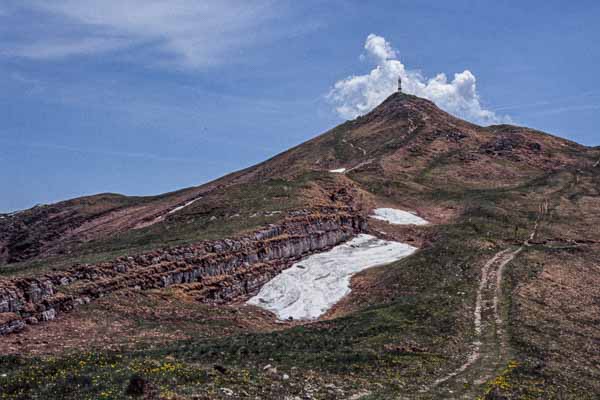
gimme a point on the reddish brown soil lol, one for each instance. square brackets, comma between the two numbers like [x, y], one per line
[134, 318]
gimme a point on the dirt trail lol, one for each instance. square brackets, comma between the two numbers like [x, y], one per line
[489, 349]
[362, 164]
[161, 217]
[355, 147]
[359, 164]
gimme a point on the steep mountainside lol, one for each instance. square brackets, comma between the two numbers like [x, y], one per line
[405, 137]
[500, 302]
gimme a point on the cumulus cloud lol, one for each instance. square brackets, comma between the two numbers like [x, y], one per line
[359, 94]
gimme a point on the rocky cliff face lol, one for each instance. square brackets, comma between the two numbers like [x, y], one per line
[218, 270]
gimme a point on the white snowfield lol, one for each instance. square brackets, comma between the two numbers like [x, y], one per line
[312, 286]
[398, 217]
[338, 171]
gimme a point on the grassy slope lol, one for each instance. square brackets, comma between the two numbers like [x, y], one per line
[553, 308]
[414, 329]
[427, 305]
[426, 309]
[226, 212]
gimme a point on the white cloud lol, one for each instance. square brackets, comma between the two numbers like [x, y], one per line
[359, 94]
[188, 33]
[55, 49]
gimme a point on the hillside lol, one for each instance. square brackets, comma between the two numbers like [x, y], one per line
[499, 302]
[406, 139]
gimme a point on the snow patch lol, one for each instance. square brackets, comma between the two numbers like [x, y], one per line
[181, 207]
[338, 171]
[312, 286]
[397, 217]
[271, 213]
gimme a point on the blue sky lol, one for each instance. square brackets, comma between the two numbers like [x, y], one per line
[143, 97]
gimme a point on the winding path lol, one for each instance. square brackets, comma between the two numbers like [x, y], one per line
[489, 349]
[355, 147]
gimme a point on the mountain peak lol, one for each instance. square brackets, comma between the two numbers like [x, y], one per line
[402, 106]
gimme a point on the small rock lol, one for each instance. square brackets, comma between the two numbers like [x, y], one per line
[220, 369]
[139, 386]
[49, 315]
[271, 370]
[227, 391]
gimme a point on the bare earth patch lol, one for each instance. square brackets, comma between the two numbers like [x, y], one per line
[131, 319]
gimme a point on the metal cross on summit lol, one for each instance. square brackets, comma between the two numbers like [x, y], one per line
[399, 84]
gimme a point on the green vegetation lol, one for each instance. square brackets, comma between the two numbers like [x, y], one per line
[228, 212]
[408, 323]
[424, 300]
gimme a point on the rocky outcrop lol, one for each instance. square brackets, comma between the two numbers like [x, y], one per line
[218, 270]
[508, 145]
